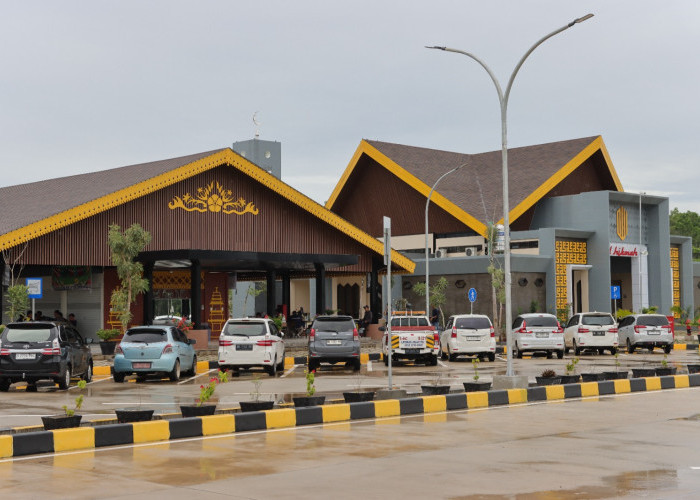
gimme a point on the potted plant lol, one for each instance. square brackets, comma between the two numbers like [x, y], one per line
[310, 399]
[205, 394]
[476, 386]
[693, 368]
[617, 374]
[643, 372]
[68, 418]
[665, 369]
[256, 404]
[357, 395]
[435, 387]
[571, 377]
[548, 377]
[136, 414]
[107, 345]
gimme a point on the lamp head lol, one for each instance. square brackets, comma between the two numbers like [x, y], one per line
[580, 19]
[435, 47]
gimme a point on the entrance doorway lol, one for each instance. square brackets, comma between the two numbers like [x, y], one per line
[349, 299]
[578, 288]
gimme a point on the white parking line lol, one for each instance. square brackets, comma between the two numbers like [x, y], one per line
[369, 366]
[288, 372]
[501, 358]
[442, 364]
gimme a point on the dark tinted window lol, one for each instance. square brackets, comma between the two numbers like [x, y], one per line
[652, 321]
[541, 321]
[573, 321]
[409, 321]
[334, 324]
[28, 333]
[148, 335]
[599, 320]
[245, 328]
[472, 323]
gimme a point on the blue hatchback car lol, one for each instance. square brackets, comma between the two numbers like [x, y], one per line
[154, 350]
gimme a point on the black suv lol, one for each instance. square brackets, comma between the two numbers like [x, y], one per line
[334, 339]
[39, 350]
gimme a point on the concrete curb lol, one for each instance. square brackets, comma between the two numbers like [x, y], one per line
[82, 438]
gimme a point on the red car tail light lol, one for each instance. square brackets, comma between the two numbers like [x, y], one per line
[225, 343]
[436, 338]
[583, 330]
[312, 334]
[118, 349]
[167, 349]
[454, 333]
[355, 335]
[613, 330]
[4, 352]
[638, 328]
[523, 329]
[559, 328]
[493, 332]
[264, 343]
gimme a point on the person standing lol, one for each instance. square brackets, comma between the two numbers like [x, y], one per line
[366, 319]
[435, 317]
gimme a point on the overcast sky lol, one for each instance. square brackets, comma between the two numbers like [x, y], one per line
[91, 85]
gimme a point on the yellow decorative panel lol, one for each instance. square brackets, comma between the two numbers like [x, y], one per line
[675, 271]
[621, 216]
[173, 280]
[213, 199]
[566, 252]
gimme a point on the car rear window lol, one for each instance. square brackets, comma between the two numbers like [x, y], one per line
[541, 321]
[652, 321]
[30, 333]
[334, 325]
[599, 320]
[245, 328]
[409, 321]
[472, 323]
[148, 335]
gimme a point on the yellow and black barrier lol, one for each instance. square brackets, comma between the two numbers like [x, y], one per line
[88, 437]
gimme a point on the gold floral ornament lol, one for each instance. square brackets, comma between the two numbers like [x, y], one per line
[210, 199]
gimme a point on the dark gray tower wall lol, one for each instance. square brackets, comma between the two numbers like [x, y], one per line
[265, 154]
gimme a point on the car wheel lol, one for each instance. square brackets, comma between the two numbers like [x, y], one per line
[451, 356]
[280, 365]
[272, 369]
[193, 371]
[119, 377]
[5, 385]
[613, 351]
[386, 360]
[174, 375]
[566, 350]
[630, 347]
[517, 353]
[577, 349]
[64, 381]
[432, 360]
[560, 354]
[492, 357]
[550, 354]
[87, 376]
[443, 356]
[357, 365]
[667, 348]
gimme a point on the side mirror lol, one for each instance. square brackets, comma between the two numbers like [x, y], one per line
[191, 341]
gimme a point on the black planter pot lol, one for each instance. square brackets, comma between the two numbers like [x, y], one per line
[615, 375]
[126, 415]
[591, 377]
[61, 421]
[548, 380]
[643, 372]
[107, 347]
[476, 386]
[197, 411]
[693, 368]
[434, 390]
[570, 379]
[256, 405]
[309, 401]
[661, 372]
[358, 397]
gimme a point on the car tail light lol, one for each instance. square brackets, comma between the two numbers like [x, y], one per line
[638, 328]
[118, 349]
[613, 330]
[667, 327]
[54, 350]
[167, 349]
[225, 343]
[559, 328]
[493, 332]
[523, 329]
[264, 343]
[583, 330]
[355, 335]
[312, 334]
[436, 338]
[454, 333]
[4, 352]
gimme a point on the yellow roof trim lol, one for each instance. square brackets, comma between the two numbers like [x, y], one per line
[561, 174]
[413, 181]
[85, 210]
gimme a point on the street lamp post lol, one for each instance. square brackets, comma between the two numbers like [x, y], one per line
[503, 101]
[427, 257]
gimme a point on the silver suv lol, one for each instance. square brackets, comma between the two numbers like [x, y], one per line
[645, 330]
[334, 339]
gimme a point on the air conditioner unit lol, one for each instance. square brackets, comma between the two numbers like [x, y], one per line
[440, 253]
[471, 251]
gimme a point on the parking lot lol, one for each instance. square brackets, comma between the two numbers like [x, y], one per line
[103, 396]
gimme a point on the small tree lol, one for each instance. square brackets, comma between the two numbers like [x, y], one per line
[17, 293]
[124, 247]
[437, 295]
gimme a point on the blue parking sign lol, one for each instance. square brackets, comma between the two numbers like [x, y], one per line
[614, 292]
[472, 295]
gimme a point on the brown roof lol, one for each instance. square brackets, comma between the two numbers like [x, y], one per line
[477, 188]
[24, 204]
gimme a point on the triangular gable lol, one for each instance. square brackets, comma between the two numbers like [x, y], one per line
[227, 156]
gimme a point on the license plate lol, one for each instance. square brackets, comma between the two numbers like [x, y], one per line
[412, 351]
[140, 365]
[415, 344]
[541, 335]
[334, 342]
[598, 334]
[244, 347]
[25, 355]
[653, 332]
[472, 337]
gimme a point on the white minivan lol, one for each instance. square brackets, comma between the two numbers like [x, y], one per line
[537, 332]
[591, 330]
[468, 334]
[251, 342]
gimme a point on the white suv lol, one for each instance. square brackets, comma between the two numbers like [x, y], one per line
[468, 334]
[537, 332]
[645, 330]
[251, 342]
[591, 330]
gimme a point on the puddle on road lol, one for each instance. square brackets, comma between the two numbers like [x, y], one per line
[627, 484]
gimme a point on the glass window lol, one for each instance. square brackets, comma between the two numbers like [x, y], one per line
[598, 320]
[23, 334]
[473, 323]
[335, 325]
[245, 328]
[538, 321]
[147, 335]
[573, 321]
[652, 321]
